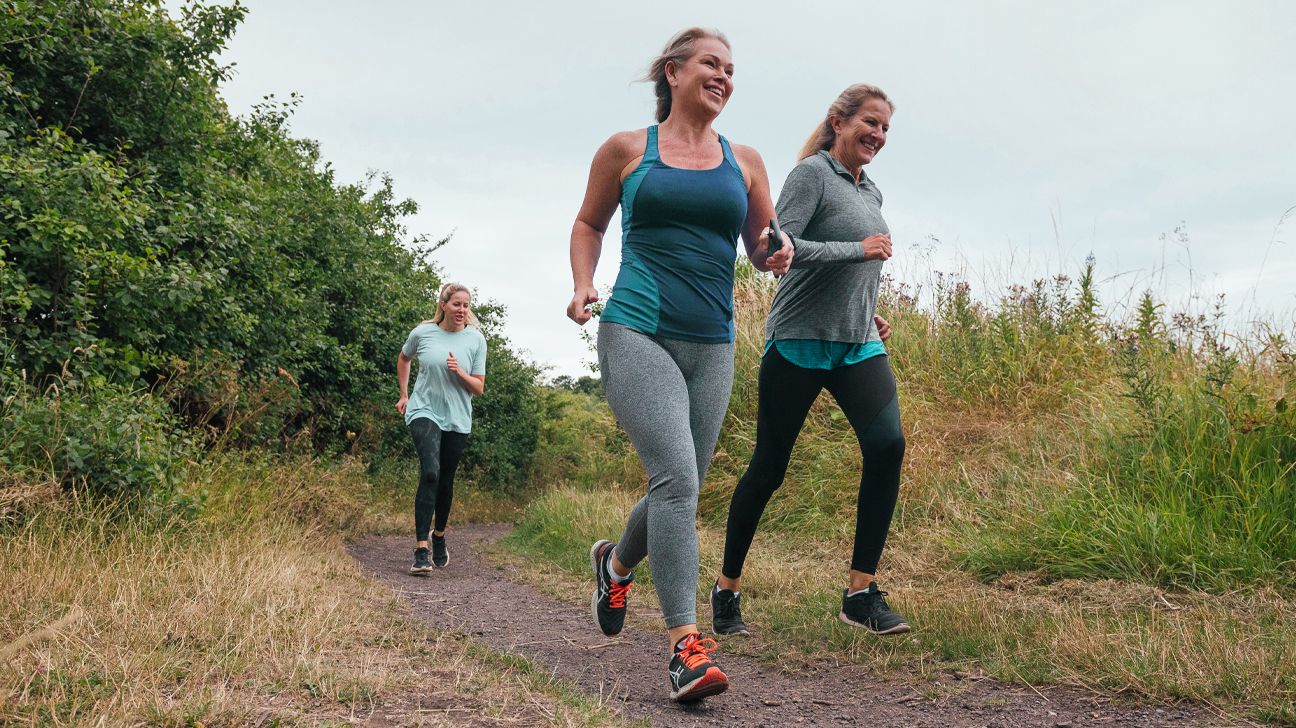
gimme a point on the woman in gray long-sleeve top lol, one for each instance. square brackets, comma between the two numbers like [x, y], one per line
[823, 332]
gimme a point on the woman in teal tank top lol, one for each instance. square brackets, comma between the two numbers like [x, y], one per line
[665, 341]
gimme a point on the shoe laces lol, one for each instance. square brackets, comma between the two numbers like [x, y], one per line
[727, 607]
[617, 593]
[695, 650]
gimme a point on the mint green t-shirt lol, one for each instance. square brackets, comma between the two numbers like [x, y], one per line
[437, 394]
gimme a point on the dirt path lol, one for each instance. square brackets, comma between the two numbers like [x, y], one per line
[474, 597]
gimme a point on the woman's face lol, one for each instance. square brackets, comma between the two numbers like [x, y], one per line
[705, 80]
[456, 309]
[862, 136]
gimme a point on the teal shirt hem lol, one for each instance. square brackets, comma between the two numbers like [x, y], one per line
[818, 354]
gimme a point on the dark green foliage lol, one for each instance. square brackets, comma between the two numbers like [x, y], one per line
[583, 384]
[150, 239]
[105, 440]
[506, 418]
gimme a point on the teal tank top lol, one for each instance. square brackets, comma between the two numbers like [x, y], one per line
[679, 238]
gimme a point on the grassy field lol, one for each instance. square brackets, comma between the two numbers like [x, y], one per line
[1109, 504]
[252, 612]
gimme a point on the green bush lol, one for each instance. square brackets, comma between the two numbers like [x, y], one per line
[506, 418]
[106, 441]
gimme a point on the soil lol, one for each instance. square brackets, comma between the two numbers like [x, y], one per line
[628, 673]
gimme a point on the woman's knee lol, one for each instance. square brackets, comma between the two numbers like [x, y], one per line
[759, 484]
[889, 444]
[674, 486]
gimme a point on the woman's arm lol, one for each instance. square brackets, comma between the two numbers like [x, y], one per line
[760, 210]
[798, 201]
[602, 195]
[474, 383]
[402, 380]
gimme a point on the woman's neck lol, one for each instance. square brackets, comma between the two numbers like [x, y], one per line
[855, 172]
[688, 128]
[448, 327]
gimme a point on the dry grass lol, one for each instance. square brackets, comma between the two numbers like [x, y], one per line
[252, 613]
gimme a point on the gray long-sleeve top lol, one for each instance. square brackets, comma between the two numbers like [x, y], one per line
[831, 292]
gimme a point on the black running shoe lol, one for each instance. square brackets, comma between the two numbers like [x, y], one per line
[869, 610]
[422, 565]
[440, 557]
[726, 615]
[609, 602]
[693, 675]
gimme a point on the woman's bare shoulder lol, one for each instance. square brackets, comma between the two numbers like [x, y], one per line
[746, 155]
[625, 144]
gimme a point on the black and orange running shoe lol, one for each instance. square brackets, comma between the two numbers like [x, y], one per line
[609, 603]
[693, 675]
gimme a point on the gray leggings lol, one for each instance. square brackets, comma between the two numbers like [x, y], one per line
[670, 397]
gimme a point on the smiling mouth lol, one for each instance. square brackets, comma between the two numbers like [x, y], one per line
[716, 91]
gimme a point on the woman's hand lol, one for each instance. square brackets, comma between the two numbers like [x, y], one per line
[452, 363]
[578, 309]
[781, 261]
[877, 247]
[401, 404]
[884, 328]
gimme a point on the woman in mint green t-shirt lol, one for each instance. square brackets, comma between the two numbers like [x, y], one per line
[451, 352]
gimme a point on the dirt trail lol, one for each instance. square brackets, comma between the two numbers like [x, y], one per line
[476, 598]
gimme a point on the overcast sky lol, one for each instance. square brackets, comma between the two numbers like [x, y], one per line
[1027, 134]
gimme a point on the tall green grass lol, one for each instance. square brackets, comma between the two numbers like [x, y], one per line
[1191, 484]
[1172, 454]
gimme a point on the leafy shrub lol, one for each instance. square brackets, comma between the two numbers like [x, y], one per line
[506, 418]
[107, 441]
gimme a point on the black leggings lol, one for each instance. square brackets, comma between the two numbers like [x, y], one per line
[866, 393]
[438, 452]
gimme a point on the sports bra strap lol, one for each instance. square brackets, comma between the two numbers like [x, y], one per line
[729, 156]
[650, 149]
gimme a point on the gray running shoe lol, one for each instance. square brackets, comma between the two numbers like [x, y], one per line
[868, 609]
[422, 565]
[726, 613]
[440, 557]
[693, 674]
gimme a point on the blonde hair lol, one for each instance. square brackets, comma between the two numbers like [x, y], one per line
[846, 106]
[443, 298]
[678, 49]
